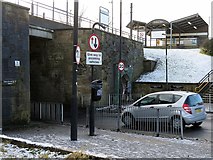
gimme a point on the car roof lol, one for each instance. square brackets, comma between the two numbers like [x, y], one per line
[173, 92]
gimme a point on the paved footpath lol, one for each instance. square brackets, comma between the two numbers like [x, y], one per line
[114, 144]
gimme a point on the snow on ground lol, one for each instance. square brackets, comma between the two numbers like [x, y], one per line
[184, 65]
[13, 151]
[114, 144]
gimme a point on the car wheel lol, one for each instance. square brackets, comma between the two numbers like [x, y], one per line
[128, 120]
[176, 123]
[197, 124]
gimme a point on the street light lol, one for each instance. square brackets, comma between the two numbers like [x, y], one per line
[74, 107]
[167, 85]
[112, 15]
[119, 80]
[97, 23]
[171, 42]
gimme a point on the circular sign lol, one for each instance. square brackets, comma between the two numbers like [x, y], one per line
[78, 54]
[94, 42]
[121, 66]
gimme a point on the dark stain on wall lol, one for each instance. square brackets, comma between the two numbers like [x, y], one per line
[15, 64]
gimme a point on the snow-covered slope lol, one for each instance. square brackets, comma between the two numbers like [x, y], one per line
[184, 65]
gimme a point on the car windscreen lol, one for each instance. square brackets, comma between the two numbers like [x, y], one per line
[194, 100]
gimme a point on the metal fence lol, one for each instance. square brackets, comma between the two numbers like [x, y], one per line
[156, 121]
[65, 16]
[208, 99]
[47, 111]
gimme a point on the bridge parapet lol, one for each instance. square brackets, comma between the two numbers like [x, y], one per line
[40, 32]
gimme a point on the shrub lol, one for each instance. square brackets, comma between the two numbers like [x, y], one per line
[77, 155]
[207, 47]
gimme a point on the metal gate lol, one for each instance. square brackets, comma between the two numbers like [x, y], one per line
[47, 111]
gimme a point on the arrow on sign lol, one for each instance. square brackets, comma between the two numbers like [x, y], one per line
[94, 42]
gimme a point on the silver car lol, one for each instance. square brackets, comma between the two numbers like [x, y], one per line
[167, 106]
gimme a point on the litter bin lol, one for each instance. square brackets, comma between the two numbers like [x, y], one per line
[96, 90]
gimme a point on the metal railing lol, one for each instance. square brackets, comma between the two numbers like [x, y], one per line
[66, 17]
[204, 82]
[156, 121]
[144, 120]
[47, 111]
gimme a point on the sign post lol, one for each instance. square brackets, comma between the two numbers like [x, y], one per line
[93, 58]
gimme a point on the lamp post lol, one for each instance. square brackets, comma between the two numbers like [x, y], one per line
[119, 79]
[91, 109]
[164, 25]
[171, 42]
[167, 85]
[112, 15]
[74, 107]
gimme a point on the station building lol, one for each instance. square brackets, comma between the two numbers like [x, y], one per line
[186, 32]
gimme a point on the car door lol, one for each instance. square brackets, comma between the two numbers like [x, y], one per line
[165, 105]
[145, 108]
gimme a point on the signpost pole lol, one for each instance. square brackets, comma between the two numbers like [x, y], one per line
[119, 80]
[91, 111]
[94, 46]
[74, 107]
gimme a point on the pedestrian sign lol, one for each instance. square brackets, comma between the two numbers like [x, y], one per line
[78, 54]
[121, 66]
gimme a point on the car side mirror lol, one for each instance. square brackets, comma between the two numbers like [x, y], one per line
[137, 104]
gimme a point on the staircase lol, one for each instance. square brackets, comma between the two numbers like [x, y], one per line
[208, 95]
[205, 87]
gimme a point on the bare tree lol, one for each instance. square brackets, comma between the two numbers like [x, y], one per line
[80, 17]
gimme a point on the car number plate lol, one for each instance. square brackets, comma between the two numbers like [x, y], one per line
[198, 110]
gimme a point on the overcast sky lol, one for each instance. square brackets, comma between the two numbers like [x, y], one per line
[144, 11]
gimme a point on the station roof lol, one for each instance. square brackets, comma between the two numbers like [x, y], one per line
[136, 25]
[192, 23]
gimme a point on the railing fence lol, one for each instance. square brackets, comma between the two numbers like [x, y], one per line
[47, 111]
[151, 120]
[65, 16]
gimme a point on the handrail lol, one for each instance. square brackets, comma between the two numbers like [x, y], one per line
[206, 76]
[204, 82]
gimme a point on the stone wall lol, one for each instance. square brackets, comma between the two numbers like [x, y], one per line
[15, 64]
[51, 65]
